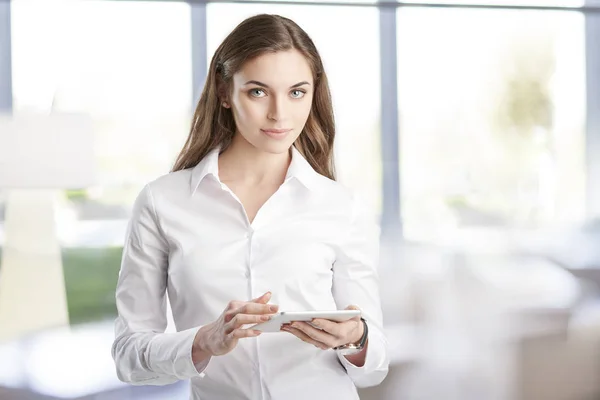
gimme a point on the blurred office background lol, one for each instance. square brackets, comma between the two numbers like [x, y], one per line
[471, 127]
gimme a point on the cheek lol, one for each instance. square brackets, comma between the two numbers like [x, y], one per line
[249, 112]
[303, 111]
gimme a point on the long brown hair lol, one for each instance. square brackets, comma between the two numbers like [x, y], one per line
[213, 126]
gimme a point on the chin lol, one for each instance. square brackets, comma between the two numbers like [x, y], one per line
[274, 146]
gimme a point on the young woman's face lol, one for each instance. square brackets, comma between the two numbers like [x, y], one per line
[271, 99]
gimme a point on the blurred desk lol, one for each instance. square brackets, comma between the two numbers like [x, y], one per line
[588, 273]
[75, 363]
[71, 363]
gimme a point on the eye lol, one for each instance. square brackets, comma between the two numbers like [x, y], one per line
[257, 93]
[297, 94]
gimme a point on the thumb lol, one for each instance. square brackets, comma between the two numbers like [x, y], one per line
[264, 299]
[352, 307]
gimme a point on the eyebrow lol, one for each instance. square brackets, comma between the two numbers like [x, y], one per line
[257, 83]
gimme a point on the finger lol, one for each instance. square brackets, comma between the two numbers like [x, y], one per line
[257, 308]
[328, 326]
[234, 305]
[305, 338]
[353, 307]
[251, 308]
[231, 309]
[316, 334]
[244, 333]
[264, 299]
[243, 319]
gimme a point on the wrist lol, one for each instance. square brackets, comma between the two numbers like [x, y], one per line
[356, 346]
[201, 347]
[360, 332]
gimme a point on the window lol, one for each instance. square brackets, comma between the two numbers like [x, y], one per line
[491, 118]
[491, 111]
[535, 3]
[134, 80]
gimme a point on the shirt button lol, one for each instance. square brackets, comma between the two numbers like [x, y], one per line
[249, 234]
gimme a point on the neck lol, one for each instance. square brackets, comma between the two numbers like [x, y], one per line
[241, 162]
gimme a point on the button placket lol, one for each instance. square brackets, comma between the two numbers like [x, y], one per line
[251, 250]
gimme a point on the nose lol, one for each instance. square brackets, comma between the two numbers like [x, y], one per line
[277, 109]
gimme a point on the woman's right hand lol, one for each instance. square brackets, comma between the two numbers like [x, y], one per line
[220, 337]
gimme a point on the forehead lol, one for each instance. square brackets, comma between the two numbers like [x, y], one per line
[279, 69]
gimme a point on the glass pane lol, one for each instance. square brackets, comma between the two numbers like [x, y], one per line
[539, 3]
[492, 107]
[358, 2]
[128, 66]
[536, 3]
[351, 58]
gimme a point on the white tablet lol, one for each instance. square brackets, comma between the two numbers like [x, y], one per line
[286, 317]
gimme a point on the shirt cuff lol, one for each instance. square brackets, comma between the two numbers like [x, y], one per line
[171, 354]
[201, 366]
[349, 366]
[376, 363]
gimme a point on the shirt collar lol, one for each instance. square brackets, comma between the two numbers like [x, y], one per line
[299, 169]
[209, 165]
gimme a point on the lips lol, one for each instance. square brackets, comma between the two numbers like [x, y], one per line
[277, 134]
[276, 131]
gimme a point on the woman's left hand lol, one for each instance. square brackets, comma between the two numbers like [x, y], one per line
[327, 334]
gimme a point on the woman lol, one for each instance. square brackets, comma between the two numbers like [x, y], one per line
[251, 221]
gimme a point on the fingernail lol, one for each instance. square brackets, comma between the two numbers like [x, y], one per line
[265, 318]
[273, 308]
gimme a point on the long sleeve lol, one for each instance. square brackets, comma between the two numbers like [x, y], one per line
[143, 353]
[355, 281]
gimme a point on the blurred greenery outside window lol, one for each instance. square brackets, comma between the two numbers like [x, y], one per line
[492, 114]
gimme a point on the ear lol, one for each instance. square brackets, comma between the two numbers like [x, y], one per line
[222, 92]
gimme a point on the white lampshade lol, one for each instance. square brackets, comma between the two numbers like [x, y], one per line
[46, 151]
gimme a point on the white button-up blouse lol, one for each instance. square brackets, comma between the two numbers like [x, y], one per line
[311, 244]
